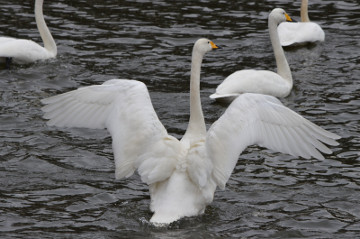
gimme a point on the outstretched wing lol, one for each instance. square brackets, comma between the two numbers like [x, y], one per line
[265, 121]
[124, 108]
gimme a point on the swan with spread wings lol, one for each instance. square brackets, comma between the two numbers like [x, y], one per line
[183, 174]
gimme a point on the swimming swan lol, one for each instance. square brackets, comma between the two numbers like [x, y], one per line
[183, 175]
[292, 33]
[261, 81]
[26, 51]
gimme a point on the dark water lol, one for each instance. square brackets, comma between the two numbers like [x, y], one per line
[59, 183]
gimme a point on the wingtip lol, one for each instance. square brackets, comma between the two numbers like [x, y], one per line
[226, 98]
[44, 101]
[336, 137]
[213, 96]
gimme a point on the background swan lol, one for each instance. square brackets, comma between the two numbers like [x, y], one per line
[291, 33]
[26, 51]
[261, 81]
[183, 175]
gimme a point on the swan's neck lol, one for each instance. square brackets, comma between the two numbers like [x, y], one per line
[196, 125]
[49, 43]
[304, 11]
[282, 65]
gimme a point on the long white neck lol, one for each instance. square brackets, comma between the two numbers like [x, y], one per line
[49, 43]
[304, 11]
[282, 65]
[196, 123]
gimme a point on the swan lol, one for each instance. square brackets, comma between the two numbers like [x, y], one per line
[292, 33]
[21, 51]
[183, 174]
[261, 81]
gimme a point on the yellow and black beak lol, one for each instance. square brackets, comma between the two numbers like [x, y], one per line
[214, 46]
[288, 18]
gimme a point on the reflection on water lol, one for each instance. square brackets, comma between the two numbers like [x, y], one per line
[60, 183]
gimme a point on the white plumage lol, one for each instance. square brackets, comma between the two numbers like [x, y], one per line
[183, 175]
[261, 81]
[292, 33]
[23, 51]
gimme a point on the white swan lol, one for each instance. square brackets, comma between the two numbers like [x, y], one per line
[261, 81]
[183, 175]
[26, 51]
[292, 33]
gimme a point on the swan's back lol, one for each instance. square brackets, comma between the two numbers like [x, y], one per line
[253, 81]
[26, 51]
[23, 51]
[5, 39]
[299, 32]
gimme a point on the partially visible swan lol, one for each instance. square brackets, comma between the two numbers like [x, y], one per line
[261, 81]
[292, 33]
[26, 51]
[183, 175]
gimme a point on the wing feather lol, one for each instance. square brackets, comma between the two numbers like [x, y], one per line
[265, 121]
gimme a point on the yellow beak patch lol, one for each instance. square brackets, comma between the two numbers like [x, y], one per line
[288, 18]
[213, 45]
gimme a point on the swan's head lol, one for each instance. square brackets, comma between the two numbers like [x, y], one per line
[204, 45]
[279, 15]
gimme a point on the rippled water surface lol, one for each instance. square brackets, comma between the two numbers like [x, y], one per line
[59, 183]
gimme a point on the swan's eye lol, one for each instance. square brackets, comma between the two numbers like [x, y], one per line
[208, 42]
